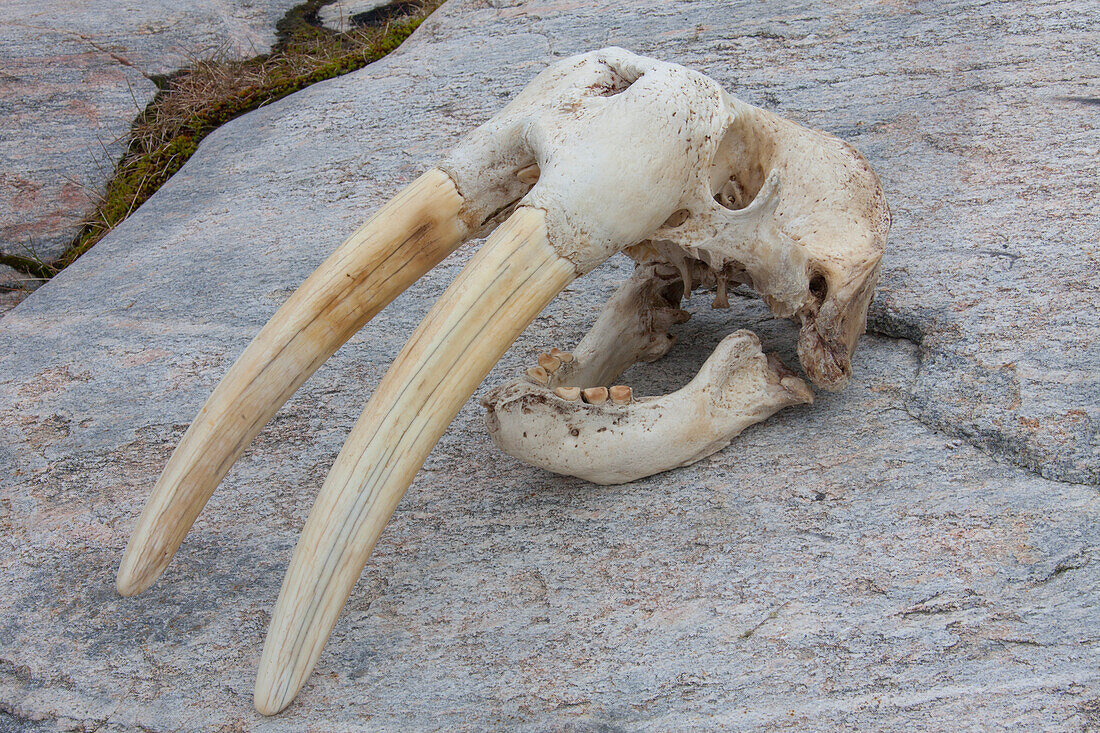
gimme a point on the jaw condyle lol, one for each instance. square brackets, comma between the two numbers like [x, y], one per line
[602, 153]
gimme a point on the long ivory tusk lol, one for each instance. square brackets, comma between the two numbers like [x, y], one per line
[406, 238]
[474, 322]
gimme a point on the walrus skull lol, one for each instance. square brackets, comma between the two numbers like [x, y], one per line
[601, 153]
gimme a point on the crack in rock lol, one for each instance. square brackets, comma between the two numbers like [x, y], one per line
[999, 444]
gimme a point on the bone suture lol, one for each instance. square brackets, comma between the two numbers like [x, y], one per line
[708, 192]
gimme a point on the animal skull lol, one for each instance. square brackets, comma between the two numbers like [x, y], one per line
[796, 214]
[601, 153]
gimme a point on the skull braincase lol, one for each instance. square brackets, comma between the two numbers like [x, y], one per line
[753, 199]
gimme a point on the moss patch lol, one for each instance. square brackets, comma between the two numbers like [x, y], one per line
[193, 102]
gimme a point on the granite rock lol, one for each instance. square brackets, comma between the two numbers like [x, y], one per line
[918, 552]
[341, 16]
[73, 76]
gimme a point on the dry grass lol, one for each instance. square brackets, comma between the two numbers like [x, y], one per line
[214, 90]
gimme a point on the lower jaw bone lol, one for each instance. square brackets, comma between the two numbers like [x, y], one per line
[611, 443]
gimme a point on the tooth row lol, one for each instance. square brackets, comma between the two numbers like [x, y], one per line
[620, 394]
[550, 362]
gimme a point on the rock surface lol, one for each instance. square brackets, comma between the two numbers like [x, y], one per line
[340, 16]
[918, 552]
[73, 76]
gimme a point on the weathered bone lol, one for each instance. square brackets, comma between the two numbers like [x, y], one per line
[794, 213]
[601, 153]
[797, 214]
[632, 326]
[615, 442]
[736, 387]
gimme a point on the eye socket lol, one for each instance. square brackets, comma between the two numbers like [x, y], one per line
[740, 167]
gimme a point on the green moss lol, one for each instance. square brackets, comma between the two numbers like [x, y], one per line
[28, 266]
[146, 167]
[134, 182]
[301, 25]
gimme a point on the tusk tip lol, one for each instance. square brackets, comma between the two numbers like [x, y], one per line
[266, 699]
[126, 587]
[142, 563]
[132, 580]
[266, 706]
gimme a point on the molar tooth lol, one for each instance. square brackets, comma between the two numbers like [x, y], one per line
[538, 375]
[595, 395]
[549, 362]
[563, 356]
[621, 394]
[569, 394]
